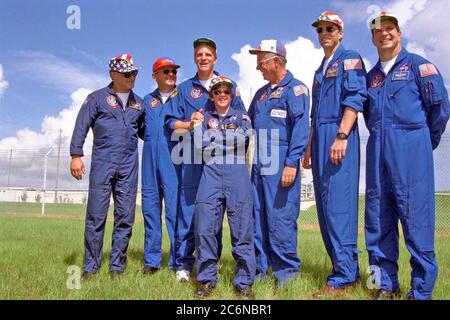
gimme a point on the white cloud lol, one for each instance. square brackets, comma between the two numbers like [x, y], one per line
[58, 73]
[407, 9]
[423, 38]
[303, 59]
[3, 83]
[28, 139]
[368, 64]
[360, 11]
[419, 21]
[29, 148]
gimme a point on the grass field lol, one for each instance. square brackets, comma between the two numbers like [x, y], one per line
[36, 252]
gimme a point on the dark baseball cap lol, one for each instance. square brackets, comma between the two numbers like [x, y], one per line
[207, 41]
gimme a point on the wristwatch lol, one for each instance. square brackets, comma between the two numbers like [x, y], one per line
[342, 136]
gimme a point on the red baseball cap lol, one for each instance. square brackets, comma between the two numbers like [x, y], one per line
[164, 62]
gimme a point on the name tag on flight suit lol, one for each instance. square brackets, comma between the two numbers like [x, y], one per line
[400, 75]
[276, 113]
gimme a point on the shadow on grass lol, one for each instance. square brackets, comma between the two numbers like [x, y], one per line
[138, 255]
[71, 258]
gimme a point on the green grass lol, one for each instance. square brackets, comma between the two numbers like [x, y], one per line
[308, 216]
[35, 253]
[442, 202]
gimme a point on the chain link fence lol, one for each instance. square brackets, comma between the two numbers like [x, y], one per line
[28, 176]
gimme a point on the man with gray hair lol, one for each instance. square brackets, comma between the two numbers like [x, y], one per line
[279, 113]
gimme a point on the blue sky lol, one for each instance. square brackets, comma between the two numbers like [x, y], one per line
[146, 29]
[46, 69]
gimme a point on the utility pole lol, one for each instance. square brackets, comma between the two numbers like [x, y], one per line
[9, 167]
[44, 185]
[57, 165]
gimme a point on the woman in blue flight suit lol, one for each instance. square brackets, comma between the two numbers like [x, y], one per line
[224, 185]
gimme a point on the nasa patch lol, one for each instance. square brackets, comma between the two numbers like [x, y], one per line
[213, 123]
[112, 101]
[196, 93]
[154, 103]
[404, 67]
[376, 81]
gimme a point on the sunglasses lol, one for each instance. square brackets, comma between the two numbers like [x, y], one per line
[329, 29]
[167, 71]
[260, 63]
[129, 74]
[218, 92]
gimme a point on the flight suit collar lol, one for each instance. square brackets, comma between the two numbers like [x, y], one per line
[157, 94]
[286, 79]
[131, 98]
[401, 56]
[132, 103]
[337, 54]
[196, 80]
[213, 112]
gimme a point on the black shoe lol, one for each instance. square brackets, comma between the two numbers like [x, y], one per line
[149, 270]
[204, 290]
[410, 296]
[86, 275]
[114, 274]
[245, 292]
[383, 294]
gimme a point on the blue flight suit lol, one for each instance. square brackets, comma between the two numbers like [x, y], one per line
[192, 97]
[284, 112]
[114, 169]
[336, 186]
[406, 115]
[160, 176]
[224, 184]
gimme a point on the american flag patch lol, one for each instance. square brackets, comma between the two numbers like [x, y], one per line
[300, 89]
[352, 64]
[427, 69]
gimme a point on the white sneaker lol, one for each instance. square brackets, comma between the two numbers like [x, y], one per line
[183, 276]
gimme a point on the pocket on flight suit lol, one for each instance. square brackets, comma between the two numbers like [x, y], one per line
[372, 210]
[433, 96]
[286, 226]
[234, 216]
[351, 80]
[206, 219]
[420, 218]
[339, 189]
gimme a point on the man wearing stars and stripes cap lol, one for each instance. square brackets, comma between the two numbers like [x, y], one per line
[114, 114]
[339, 93]
[122, 63]
[406, 114]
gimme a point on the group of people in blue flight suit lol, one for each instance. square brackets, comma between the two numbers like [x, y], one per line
[195, 157]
